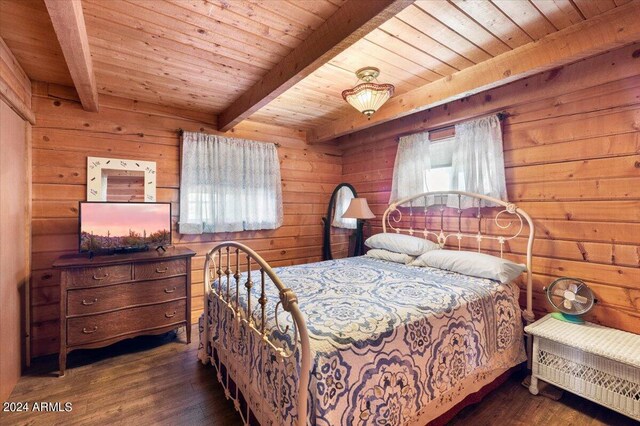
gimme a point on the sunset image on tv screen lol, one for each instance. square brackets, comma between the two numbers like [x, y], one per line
[113, 226]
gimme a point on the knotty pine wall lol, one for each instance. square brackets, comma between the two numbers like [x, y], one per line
[14, 246]
[15, 217]
[572, 146]
[65, 135]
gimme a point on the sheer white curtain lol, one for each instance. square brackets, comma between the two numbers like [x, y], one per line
[228, 185]
[478, 160]
[343, 198]
[413, 162]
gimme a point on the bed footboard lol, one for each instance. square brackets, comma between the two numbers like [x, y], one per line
[231, 272]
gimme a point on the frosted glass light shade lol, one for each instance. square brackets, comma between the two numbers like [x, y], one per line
[358, 209]
[368, 97]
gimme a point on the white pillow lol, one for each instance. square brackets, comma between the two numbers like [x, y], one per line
[400, 243]
[472, 263]
[390, 256]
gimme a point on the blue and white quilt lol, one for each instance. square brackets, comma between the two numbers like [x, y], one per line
[390, 343]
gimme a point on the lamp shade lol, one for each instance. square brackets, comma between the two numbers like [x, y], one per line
[368, 96]
[358, 209]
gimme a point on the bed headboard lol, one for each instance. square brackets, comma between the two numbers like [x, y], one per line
[455, 222]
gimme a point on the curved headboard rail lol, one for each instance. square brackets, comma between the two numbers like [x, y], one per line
[421, 204]
[227, 287]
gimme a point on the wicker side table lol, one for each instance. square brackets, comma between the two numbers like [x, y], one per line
[598, 363]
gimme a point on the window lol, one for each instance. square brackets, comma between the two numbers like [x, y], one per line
[423, 164]
[228, 185]
[470, 160]
[438, 177]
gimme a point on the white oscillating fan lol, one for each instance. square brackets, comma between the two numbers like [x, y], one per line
[571, 297]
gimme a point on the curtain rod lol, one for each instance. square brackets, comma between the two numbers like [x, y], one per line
[502, 115]
[181, 132]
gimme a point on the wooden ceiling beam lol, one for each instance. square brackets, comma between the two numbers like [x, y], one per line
[346, 26]
[615, 28]
[68, 22]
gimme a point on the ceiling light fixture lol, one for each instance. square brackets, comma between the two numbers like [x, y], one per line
[367, 97]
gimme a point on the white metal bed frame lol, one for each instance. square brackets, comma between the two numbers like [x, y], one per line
[226, 272]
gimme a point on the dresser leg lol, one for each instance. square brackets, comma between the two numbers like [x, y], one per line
[62, 362]
[188, 330]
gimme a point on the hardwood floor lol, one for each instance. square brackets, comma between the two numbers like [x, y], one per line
[158, 380]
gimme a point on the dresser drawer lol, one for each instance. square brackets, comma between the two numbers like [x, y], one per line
[101, 299]
[155, 270]
[97, 276]
[94, 328]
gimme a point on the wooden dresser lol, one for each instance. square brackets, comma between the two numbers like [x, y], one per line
[110, 298]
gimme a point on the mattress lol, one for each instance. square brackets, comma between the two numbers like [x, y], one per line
[390, 343]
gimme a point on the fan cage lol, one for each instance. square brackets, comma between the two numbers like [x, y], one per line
[567, 281]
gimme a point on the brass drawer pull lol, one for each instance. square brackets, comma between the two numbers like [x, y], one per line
[166, 290]
[87, 331]
[100, 278]
[162, 271]
[89, 303]
[170, 315]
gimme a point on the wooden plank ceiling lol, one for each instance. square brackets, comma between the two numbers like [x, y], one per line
[203, 54]
[426, 42]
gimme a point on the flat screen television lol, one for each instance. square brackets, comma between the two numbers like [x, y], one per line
[111, 227]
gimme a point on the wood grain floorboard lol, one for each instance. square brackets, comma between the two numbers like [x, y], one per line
[157, 380]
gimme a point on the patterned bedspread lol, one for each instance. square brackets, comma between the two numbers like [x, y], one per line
[390, 343]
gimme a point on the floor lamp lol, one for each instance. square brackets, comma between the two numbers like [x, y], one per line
[359, 209]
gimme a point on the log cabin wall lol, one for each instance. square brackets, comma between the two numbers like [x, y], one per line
[572, 146]
[65, 135]
[15, 217]
[14, 244]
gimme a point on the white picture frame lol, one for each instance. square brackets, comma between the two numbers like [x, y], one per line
[96, 188]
